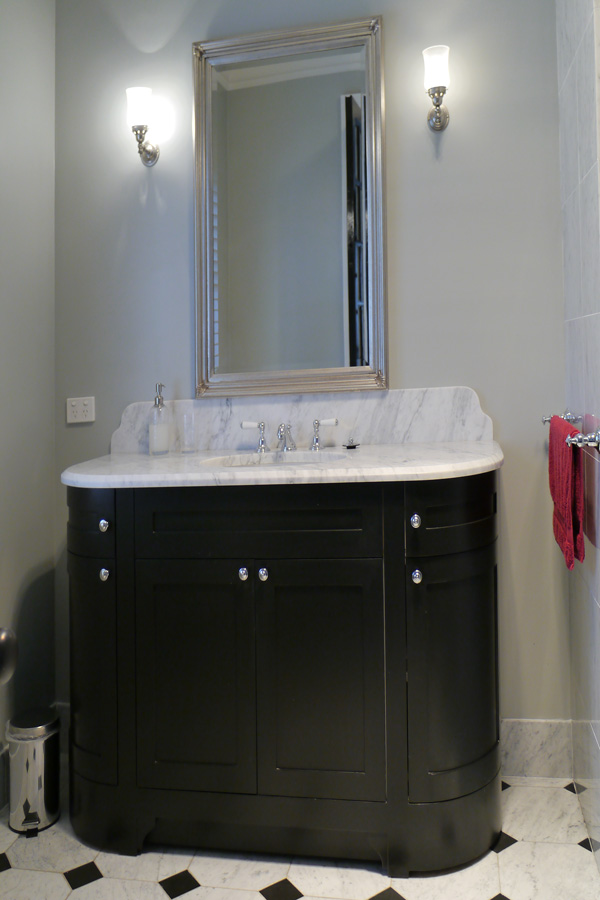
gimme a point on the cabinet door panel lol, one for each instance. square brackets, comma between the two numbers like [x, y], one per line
[321, 725]
[196, 724]
[452, 674]
[93, 658]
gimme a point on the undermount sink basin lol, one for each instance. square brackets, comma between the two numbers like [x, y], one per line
[276, 458]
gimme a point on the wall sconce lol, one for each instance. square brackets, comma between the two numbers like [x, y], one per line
[437, 79]
[139, 110]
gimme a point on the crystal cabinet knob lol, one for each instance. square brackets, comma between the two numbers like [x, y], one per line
[417, 576]
[415, 520]
[263, 574]
[243, 573]
[103, 525]
[104, 573]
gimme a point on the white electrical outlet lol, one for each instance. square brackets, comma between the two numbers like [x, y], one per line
[81, 409]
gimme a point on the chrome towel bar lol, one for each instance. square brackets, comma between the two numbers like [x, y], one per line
[577, 440]
[568, 416]
[584, 440]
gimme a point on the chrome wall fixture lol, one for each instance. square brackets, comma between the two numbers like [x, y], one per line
[584, 440]
[579, 439]
[437, 79]
[139, 118]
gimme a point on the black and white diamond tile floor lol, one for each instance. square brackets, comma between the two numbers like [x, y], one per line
[543, 854]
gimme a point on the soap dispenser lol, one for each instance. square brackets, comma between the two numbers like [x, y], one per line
[159, 432]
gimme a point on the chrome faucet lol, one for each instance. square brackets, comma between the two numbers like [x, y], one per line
[316, 440]
[284, 436]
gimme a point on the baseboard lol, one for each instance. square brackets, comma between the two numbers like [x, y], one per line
[539, 748]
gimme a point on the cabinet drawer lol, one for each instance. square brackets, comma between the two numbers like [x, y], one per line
[290, 521]
[454, 515]
[91, 526]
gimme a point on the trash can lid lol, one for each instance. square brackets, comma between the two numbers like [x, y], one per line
[32, 723]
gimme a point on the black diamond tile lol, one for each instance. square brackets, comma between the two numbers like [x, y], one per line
[388, 894]
[4, 863]
[281, 890]
[586, 844]
[570, 787]
[83, 875]
[177, 885]
[595, 845]
[504, 841]
[500, 897]
[505, 786]
[579, 788]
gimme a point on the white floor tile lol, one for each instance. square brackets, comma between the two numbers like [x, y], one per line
[537, 781]
[229, 870]
[18, 884]
[480, 881]
[118, 889]
[152, 865]
[542, 814]
[343, 881]
[537, 871]
[208, 893]
[51, 851]
[7, 837]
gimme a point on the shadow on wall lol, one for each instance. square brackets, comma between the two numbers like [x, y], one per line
[33, 682]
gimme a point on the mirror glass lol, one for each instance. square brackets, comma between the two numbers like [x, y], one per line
[289, 211]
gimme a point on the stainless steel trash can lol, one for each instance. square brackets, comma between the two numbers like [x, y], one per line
[34, 759]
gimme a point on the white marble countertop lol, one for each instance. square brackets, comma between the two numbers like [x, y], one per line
[376, 462]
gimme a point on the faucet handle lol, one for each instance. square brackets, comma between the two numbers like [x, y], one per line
[315, 443]
[262, 444]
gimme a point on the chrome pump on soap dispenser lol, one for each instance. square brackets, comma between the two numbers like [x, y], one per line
[159, 431]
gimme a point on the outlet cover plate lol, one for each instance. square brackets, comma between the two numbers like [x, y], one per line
[81, 410]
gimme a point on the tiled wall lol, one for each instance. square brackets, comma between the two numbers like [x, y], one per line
[578, 36]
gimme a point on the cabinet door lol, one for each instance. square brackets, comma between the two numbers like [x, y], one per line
[321, 725]
[452, 674]
[93, 659]
[196, 711]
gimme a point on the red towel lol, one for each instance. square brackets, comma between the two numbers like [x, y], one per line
[565, 466]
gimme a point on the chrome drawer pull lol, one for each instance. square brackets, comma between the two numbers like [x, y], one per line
[243, 573]
[415, 520]
[417, 576]
[103, 525]
[104, 573]
[263, 574]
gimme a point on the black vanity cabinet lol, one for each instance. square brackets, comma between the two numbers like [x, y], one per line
[290, 669]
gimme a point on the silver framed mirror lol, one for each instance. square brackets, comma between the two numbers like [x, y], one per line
[290, 240]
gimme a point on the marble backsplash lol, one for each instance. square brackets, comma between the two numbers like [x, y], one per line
[390, 417]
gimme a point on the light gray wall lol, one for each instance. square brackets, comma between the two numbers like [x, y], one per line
[578, 28]
[27, 468]
[474, 249]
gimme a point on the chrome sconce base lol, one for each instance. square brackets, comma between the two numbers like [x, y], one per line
[149, 153]
[438, 117]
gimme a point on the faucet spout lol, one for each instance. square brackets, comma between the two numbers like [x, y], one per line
[284, 436]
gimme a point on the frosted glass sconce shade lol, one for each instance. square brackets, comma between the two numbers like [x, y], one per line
[139, 106]
[436, 67]
[437, 79]
[139, 118]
